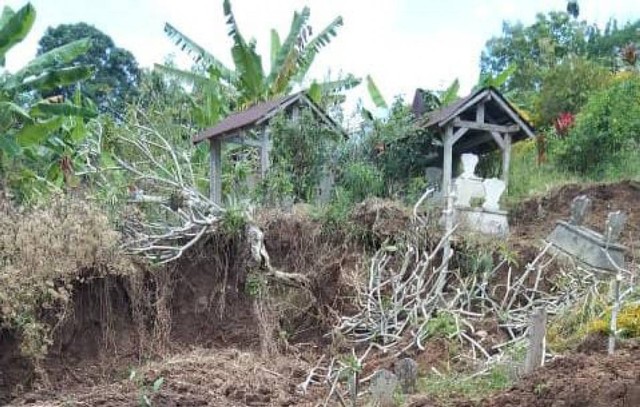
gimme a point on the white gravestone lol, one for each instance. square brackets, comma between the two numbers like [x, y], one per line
[468, 184]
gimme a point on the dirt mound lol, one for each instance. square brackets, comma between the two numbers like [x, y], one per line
[203, 377]
[535, 218]
[578, 381]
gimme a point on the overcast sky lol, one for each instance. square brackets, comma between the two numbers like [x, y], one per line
[403, 44]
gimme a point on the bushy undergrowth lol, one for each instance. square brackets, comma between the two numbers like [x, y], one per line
[628, 322]
[44, 252]
[606, 133]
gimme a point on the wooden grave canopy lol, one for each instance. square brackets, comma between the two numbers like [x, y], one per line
[481, 122]
[250, 127]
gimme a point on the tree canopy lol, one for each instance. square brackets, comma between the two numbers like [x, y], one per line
[116, 76]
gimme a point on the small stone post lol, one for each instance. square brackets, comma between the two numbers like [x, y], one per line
[537, 332]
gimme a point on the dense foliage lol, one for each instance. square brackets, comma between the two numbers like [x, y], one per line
[607, 130]
[116, 74]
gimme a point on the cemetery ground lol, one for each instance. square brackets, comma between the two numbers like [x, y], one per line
[185, 337]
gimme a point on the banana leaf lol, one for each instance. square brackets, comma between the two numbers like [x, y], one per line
[15, 27]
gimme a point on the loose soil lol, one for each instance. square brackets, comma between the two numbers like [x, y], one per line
[591, 379]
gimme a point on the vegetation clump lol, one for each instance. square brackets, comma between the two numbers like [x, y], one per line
[46, 251]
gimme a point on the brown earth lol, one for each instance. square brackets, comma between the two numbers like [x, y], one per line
[535, 218]
[591, 379]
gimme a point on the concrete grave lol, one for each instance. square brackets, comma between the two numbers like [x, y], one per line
[383, 385]
[487, 219]
[597, 250]
[407, 373]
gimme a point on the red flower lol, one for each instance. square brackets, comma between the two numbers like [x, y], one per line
[564, 122]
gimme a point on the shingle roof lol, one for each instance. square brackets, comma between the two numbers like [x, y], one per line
[442, 116]
[245, 118]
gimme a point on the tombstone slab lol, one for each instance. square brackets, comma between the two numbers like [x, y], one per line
[383, 385]
[406, 371]
[587, 246]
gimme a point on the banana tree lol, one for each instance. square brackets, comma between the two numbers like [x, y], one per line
[248, 82]
[26, 120]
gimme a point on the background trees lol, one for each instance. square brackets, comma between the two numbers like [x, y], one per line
[116, 74]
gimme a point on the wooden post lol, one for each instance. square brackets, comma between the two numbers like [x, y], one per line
[506, 159]
[265, 149]
[536, 335]
[215, 170]
[447, 166]
[613, 328]
[447, 191]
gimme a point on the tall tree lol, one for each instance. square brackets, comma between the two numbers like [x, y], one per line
[116, 75]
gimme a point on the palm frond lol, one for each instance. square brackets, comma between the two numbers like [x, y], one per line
[275, 46]
[289, 49]
[315, 45]
[198, 54]
[248, 63]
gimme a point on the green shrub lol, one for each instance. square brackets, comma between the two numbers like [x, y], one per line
[361, 180]
[606, 131]
[567, 87]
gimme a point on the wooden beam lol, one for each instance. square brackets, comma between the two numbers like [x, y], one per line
[516, 118]
[506, 159]
[215, 170]
[486, 126]
[472, 142]
[498, 139]
[480, 113]
[458, 134]
[265, 150]
[244, 140]
[481, 96]
[447, 167]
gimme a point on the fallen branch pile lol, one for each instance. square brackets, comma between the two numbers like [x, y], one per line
[409, 287]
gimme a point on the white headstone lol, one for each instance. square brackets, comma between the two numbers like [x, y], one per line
[469, 162]
[493, 189]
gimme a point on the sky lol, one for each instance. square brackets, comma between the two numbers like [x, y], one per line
[402, 44]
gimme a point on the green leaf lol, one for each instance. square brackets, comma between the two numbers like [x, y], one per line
[188, 77]
[288, 49]
[450, 94]
[15, 111]
[375, 94]
[349, 82]
[35, 133]
[314, 46]
[275, 47]
[248, 62]
[9, 146]
[56, 57]
[197, 53]
[315, 92]
[51, 80]
[43, 109]
[15, 27]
